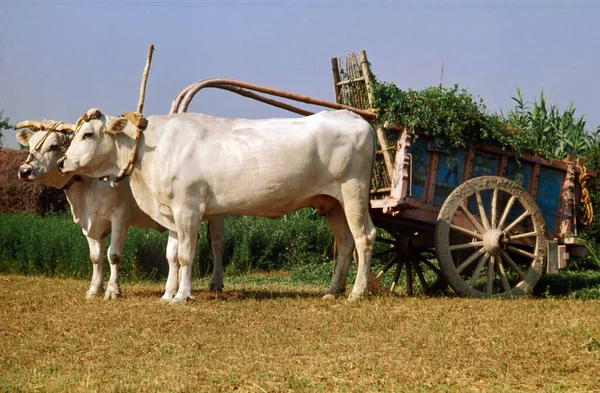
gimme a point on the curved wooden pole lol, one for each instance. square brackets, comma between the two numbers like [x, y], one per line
[183, 99]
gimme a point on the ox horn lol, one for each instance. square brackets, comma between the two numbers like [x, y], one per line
[70, 127]
[33, 125]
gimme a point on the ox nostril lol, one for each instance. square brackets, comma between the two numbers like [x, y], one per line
[60, 164]
[24, 172]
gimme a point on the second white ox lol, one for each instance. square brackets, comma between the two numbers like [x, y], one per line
[101, 209]
[192, 167]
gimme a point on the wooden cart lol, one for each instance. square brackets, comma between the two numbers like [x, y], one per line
[496, 222]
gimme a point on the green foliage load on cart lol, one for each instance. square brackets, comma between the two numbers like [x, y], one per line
[456, 116]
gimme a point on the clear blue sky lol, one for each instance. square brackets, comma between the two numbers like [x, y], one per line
[59, 58]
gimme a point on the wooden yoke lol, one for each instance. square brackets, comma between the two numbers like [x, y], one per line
[137, 119]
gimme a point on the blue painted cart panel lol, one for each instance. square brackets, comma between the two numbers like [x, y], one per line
[448, 175]
[420, 160]
[548, 197]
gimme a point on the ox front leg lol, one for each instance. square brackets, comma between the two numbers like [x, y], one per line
[173, 277]
[115, 255]
[97, 258]
[345, 245]
[216, 231]
[187, 222]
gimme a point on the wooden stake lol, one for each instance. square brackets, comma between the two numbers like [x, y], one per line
[336, 79]
[364, 65]
[140, 106]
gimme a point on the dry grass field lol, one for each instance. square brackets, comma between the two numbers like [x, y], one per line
[262, 336]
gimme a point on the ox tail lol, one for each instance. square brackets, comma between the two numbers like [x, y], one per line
[372, 161]
[208, 235]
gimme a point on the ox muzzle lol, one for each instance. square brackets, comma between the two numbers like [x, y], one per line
[25, 172]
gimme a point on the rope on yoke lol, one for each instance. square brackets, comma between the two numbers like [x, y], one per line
[138, 120]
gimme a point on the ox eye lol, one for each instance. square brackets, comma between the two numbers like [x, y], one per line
[87, 135]
[53, 148]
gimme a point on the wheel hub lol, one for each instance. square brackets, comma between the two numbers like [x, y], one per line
[494, 241]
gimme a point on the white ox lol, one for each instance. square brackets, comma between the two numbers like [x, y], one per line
[101, 210]
[193, 167]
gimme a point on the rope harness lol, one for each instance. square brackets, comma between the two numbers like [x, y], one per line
[138, 120]
[64, 145]
[587, 210]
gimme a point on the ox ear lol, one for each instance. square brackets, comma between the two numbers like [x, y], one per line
[23, 137]
[116, 125]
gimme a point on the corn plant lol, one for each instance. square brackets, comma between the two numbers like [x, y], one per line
[545, 130]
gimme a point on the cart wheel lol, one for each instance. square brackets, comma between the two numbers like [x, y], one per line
[490, 239]
[401, 264]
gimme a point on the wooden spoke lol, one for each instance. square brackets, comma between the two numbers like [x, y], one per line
[482, 214]
[385, 252]
[396, 276]
[507, 208]
[478, 268]
[522, 252]
[490, 275]
[433, 267]
[421, 277]
[399, 260]
[387, 266]
[513, 265]
[494, 207]
[515, 222]
[467, 232]
[524, 235]
[470, 260]
[409, 280]
[465, 245]
[472, 218]
[502, 273]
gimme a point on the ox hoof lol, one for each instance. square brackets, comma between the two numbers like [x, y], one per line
[178, 300]
[216, 289]
[354, 297]
[112, 295]
[329, 297]
[92, 294]
[166, 299]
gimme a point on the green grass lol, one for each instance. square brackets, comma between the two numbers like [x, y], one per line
[55, 246]
[297, 248]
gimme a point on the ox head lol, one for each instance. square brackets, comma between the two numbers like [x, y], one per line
[47, 141]
[93, 151]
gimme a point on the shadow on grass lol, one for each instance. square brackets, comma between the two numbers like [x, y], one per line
[234, 294]
[576, 284]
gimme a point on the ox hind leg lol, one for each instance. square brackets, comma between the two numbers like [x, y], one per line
[345, 245]
[97, 258]
[356, 207]
[173, 277]
[187, 222]
[216, 237]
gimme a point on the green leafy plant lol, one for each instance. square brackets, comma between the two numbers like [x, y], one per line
[449, 113]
